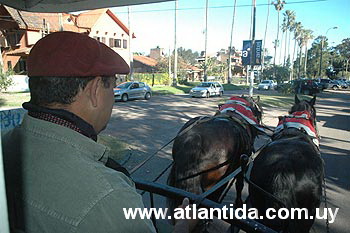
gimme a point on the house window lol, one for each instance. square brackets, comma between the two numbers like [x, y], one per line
[117, 43]
[22, 65]
[9, 65]
[125, 44]
[111, 42]
[13, 38]
[103, 40]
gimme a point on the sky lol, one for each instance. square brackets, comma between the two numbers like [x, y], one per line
[153, 24]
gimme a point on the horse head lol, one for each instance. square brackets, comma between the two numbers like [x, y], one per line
[305, 105]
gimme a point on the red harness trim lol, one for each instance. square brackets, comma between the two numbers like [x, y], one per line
[301, 117]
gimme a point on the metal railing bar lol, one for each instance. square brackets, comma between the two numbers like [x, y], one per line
[175, 193]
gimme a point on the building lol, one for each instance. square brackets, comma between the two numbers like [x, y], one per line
[20, 30]
[157, 53]
[143, 64]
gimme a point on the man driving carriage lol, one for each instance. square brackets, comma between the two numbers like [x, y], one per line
[57, 175]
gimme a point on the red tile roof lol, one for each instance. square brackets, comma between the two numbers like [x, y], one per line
[89, 18]
[145, 60]
[79, 23]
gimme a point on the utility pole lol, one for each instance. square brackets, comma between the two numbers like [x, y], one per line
[252, 49]
[175, 48]
[229, 78]
[169, 64]
[131, 56]
[60, 21]
[206, 40]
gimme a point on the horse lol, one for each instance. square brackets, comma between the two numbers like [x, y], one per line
[207, 149]
[288, 172]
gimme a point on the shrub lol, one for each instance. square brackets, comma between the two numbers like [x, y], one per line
[5, 79]
[159, 78]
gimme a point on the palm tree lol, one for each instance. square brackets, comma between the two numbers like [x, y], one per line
[289, 20]
[297, 27]
[279, 4]
[301, 44]
[284, 30]
[306, 37]
[263, 49]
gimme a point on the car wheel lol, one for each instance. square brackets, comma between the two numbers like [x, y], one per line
[335, 87]
[125, 97]
[208, 94]
[221, 93]
[147, 96]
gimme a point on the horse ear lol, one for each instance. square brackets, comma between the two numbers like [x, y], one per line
[296, 99]
[258, 99]
[313, 101]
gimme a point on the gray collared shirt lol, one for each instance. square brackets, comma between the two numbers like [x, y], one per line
[56, 182]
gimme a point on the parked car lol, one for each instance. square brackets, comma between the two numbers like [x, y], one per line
[324, 83]
[267, 85]
[207, 89]
[343, 83]
[132, 90]
[334, 84]
[306, 86]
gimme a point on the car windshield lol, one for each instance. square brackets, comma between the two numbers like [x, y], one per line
[204, 85]
[124, 85]
[266, 81]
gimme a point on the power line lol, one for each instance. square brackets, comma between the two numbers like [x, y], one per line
[219, 7]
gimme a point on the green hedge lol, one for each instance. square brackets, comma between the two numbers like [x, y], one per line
[159, 78]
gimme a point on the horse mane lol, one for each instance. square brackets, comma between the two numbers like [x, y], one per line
[255, 106]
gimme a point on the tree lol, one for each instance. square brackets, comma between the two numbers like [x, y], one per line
[5, 79]
[187, 55]
[307, 35]
[279, 4]
[289, 21]
[313, 55]
[343, 50]
[297, 28]
[279, 73]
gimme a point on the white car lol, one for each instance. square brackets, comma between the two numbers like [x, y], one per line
[267, 85]
[207, 89]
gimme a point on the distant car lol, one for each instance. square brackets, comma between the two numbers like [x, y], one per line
[267, 85]
[306, 86]
[132, 90]
[207, 89]
[343, 83]
[334, 84]
[325, 83]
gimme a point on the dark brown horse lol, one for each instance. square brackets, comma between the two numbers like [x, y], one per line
[208, 149]
[290, 170]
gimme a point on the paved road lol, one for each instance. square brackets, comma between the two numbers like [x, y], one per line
[148, 125]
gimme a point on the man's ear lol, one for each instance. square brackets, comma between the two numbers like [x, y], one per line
[91, 90]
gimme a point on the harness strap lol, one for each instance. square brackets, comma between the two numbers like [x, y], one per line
[206, 171]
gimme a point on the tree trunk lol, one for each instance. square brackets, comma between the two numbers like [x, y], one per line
[299, 66]
[279, 57]
[285, 49]
[305, 62]
[292, 62]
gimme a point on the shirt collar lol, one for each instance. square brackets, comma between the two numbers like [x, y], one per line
[61, 117]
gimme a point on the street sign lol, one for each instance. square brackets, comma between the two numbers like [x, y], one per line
[246, 52]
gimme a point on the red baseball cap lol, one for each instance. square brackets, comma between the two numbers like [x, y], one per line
[71, 54]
